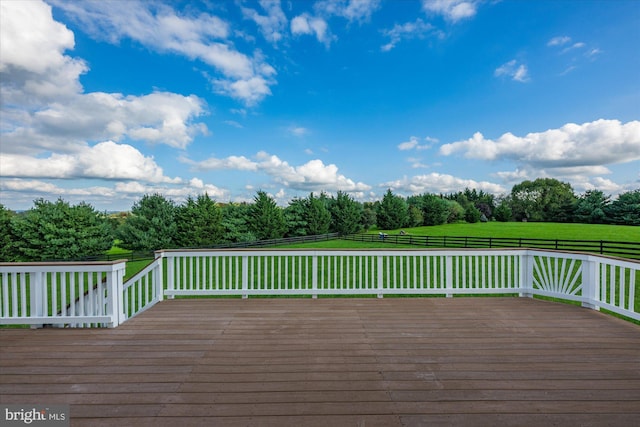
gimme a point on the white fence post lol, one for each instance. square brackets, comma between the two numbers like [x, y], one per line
[314, 275]
[526, 275]
[590, 283]
[37, 296]
[159, 279]
[245, 276]
[449, 275]
[171, 284]
[116, 294]
[380, 276]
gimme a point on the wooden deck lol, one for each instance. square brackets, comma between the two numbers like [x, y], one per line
[335, 362]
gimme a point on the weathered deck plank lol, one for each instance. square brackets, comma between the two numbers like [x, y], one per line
[360, 362]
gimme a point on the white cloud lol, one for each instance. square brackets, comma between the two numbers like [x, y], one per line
[230, 163]
[581, 178]
[595, 143]
[298, 131]
[311, 176]
[439, 183]
[517, 72]
[352, 10]
[106, 160]
[273, 23]
[414, 143]
[306, 24]
[559, 41]
[159, 27]
[32, 64]
[409, 30]
[44, 109]
[159, 117]
[452, 10]
[416, 163]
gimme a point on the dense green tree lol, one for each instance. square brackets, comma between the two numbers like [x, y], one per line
[455, 211]
[59, 231]
[503, 212]
[346, 214]
[317, 215]
[392, 212]
[545, 199]
[199, 223]
[235, 223]
[266, 219]
[151, 225]
[435, 210]
[7, 239]
[625, 210]
[416, 219]
[472, 214]
[485, 202]
[294, 216]
[368, 215]
[591, 207]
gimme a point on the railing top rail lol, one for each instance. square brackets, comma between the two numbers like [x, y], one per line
[329, 250]
[62, 263]
[444, 251]
[585, 255]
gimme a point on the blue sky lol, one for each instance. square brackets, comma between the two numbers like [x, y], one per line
[106, 101]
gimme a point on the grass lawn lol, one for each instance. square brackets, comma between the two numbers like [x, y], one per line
[532, 230]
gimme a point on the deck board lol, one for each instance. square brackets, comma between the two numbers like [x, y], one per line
[352, 362]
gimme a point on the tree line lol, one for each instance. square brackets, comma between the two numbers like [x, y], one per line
[58, 230]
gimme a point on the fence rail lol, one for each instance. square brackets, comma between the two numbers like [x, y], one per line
[31, 293]
[603, 247]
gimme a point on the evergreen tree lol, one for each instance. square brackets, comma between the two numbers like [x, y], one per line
[503, 212]
[625, 210]
[472, 214]
[591, 207]
[7, 238]
[235, 223]
[392, 212]
[151, 225]
[416, 219]
[58, 231]
[295, 218]
[346, 214]
[199, 223]
[266, 218]
[368, 215]
[435, 210]
[317, 216]
[455, 212]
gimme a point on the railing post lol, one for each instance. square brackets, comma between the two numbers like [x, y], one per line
[116, 297]
[380, 276]
[526, 275]
[314, 275]
[171, 285]
[37, 296]
[159, 279]
[449, 275]
[590, 283]
[245, 276]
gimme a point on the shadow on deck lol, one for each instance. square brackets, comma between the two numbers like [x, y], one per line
[339, 362]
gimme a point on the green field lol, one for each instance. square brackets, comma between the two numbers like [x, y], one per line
[531, 230]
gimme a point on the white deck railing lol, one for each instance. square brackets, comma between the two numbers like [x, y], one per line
[61, 293]
[594, 281]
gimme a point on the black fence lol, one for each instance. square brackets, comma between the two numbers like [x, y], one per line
[605, 247]
[138, 256]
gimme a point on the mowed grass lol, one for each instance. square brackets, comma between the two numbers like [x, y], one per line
[530, 230]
